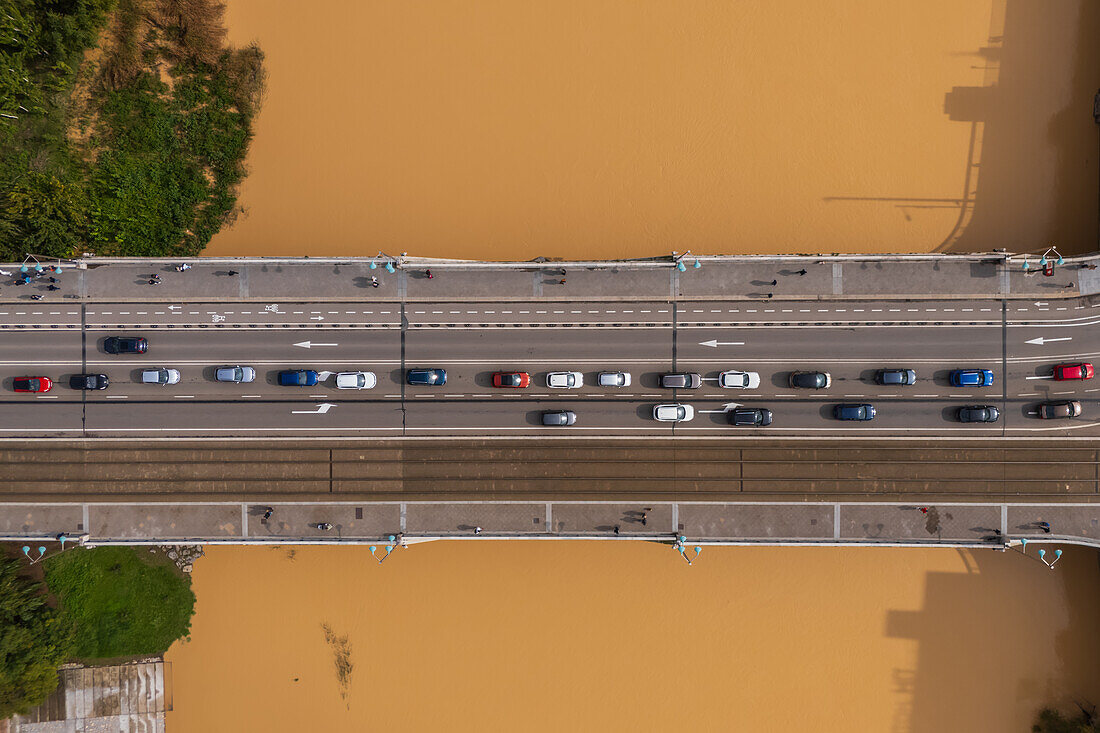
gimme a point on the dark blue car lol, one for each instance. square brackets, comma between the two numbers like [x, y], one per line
[427, 377]
[971, 378]
[853, 411]
[298, 378]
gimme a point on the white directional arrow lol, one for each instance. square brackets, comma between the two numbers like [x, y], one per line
[715, 343]
[1040, 341]
[1040, 304]
[316, 318]
[173, 307]
[310, 344]
[321, 410]
[725, 408]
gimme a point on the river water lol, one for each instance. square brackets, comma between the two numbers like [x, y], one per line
[578, 129]
[552, 636]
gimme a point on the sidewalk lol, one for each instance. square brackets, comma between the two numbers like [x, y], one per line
[912, 277]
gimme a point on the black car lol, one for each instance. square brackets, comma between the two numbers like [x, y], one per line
[896, 376]
[810, 380]
[854, 411]
[979, 413]
[749, 417]
[427, 377]
[88, 381]
[125, 345]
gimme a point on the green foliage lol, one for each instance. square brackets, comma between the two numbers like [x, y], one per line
[158, 173]
[1052, 721]
[119, 604]
[34, 641]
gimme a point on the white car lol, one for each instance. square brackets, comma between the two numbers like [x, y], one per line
[613, 379]
[565, 380]
[673, 413]
[734, 379]
[356, 380]
[160, 376]
[235, 374]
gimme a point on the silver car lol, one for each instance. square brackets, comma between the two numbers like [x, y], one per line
[613, 379]
[559, 417]
[160, 375]
[681, 380]
[734, 379]
[565, 380]
[356, 380]
[235, 374]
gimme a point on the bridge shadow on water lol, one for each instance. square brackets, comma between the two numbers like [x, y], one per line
[997, 643]
[1031, 177]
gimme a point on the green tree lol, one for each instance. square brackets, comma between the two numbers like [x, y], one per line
[34, 641]
[47, 214]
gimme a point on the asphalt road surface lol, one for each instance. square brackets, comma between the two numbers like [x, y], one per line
[1019, 341]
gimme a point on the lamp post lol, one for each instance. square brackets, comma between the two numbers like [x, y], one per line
[678, 260]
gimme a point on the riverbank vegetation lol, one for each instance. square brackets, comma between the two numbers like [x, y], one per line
[124, 126]
[95, 604]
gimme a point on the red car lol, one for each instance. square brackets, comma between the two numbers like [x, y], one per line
[32, 384]
[1078, 370]
[514, 380]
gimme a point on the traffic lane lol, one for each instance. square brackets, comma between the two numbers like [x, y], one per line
[215, 345]
[197, 381]
[201, 418]
[555, 347]
[41, 419]
[774, 310]
[30, 314]
[541, 312]
[872, 344]
[275, 313]
[24, 351]
[477, 416]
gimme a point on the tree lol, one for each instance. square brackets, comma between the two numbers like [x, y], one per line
[34, 641]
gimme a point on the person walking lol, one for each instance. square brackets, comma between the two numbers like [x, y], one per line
[1045, 526]
[771, 295]
[52, 279]
[268, 512]
[183, 268]
[775, 282]
[429, 274]
[477, 530]
[801, 272]
[562, 281]
[154, 282]
[52, 287]
[645, 518]
[231, 273]
[155, 276]
[37, 296]
[374, 281]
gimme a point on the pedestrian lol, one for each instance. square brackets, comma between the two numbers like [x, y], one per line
[802, 272]
[1045, 526]
[20, 281]
[155, 276]
[562, 281]
[645, 518]
[477, 530]
[374, 281]
[183, 268]
[1070, 286]
[52, 287]
[775, 282]
[267, 514]
[37, 296]
[231, 273]
[154, 282]
[922, 509]
[429, 274]
[53, 279]
[771, 295]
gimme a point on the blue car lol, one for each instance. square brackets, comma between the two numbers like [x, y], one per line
[427, 377]
[298, 378]
[971, 378]
[853, 411]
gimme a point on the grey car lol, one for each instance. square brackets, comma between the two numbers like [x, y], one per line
[559, 417]
[235, 374]
[681, 380]
[979, 413]
[1055, 410]
[896, 376]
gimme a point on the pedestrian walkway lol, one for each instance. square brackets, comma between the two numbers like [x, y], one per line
[851, 277]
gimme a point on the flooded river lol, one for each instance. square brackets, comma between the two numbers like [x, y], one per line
[553, 636]
[502, 129]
